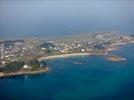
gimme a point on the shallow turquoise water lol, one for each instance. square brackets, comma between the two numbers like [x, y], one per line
[94, 79]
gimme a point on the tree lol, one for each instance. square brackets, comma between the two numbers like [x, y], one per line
[42, 64]
[33, 63]
[12, 67]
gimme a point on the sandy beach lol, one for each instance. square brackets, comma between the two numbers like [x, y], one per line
[62, 56]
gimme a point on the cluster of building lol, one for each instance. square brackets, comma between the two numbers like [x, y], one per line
[65, 46]
[13, 50]
[91, 43]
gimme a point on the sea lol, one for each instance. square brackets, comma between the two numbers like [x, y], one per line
[76, 78]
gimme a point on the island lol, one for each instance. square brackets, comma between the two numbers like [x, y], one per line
[115, 58]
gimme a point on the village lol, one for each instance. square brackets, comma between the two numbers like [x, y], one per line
[99, 43]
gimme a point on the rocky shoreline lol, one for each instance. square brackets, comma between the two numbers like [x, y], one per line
[115, 58]
[24, 72]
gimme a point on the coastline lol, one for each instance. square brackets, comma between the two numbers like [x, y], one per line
[63, 56]
[42, 70]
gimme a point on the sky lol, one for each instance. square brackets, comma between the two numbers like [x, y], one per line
[43, 18]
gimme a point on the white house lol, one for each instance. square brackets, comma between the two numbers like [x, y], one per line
[26, 66]
[83, 50]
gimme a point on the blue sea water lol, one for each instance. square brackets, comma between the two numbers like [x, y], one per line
[94, 78]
